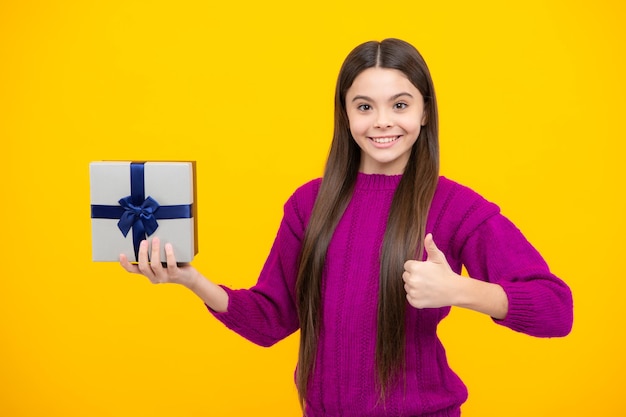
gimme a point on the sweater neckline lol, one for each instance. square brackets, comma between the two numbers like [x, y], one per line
[377, 181]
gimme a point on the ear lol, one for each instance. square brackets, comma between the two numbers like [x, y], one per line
[425, 114]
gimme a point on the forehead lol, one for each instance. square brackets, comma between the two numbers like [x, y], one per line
[381, 82]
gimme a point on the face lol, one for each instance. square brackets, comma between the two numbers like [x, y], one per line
[386, 114]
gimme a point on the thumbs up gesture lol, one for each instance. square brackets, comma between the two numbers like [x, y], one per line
[430, 283]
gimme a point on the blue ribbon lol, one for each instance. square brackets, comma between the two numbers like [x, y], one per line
[137, 212]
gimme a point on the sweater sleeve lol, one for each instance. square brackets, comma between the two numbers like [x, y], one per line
[266, 313]
[540, 304]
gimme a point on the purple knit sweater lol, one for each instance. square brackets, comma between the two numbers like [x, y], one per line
[469, 230]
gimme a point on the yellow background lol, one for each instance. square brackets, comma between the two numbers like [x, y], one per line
[531, 99]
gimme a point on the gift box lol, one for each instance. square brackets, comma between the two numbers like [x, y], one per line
[133, 201]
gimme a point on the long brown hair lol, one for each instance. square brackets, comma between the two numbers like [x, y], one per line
[406, 224]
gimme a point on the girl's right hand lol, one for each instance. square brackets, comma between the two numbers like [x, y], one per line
[183, 274]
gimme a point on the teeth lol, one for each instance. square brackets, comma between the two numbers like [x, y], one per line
[384, 140]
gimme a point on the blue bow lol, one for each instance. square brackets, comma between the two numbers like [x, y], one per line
[139, 217]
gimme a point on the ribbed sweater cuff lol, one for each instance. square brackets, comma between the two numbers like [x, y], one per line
[538, 310]
[521, 315]
[231, 317]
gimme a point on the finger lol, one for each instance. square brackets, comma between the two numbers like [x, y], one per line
[127, 265]
[169, 257]
[410, 265]
[433, 252]
[155, 260]
[143, 264]
[412, 301]
[155, 255]
[406, 275]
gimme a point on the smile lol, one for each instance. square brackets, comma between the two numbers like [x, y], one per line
[385, 139]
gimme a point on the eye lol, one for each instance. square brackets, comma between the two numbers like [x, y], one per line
[364, 107]
[400, 106]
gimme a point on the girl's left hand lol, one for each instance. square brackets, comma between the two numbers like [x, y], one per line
[429, 283]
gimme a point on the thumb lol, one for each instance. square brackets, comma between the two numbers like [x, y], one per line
[432, 251]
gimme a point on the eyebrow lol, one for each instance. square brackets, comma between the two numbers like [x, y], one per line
[392, 98]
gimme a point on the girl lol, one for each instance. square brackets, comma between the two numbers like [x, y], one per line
[355, 265]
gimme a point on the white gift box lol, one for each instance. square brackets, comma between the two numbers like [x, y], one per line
[132, 201]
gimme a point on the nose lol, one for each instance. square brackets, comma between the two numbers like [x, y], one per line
[383, 119]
